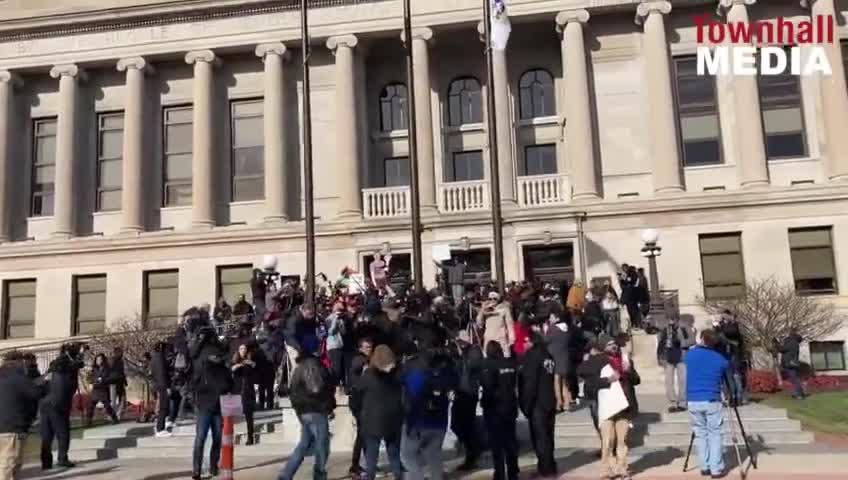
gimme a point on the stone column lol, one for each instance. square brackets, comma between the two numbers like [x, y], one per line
[668, 170]
[579, 145]
[132, 182]
[67, 147]
[421, 40]
[752, 166]
[347, 147]
[503, 119]
[8, 82]
[834, 98]
[203, 145]
[277, 134]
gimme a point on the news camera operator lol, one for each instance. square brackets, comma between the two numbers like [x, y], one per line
[19, 395]
[55, 407]
[707, 369]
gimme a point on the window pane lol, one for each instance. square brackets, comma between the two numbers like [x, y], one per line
[248, 132]
[178, 195]
[112, 121]
[109, 200]
[111, 144]
[702, 152]
[697, 110]
[454, 111]
[247, 107]
[396, 171]
[21, 288]
[723, 269]
[45, 127]
[42, 204]
[540, 160]
[720, 244]
[162, 279]
[234, 281]
[163, 301]
[526, 99]
[467, 166]
[21, 310]
[178, 167]
[178, 138]
[785, 145]
[699, 127]
[45, 150]
[21, 331]
[731, 291]
[89, 327]
[91, 284]
[91, 305]
[811, 263]
[809, 238]
[246, 189]
[45, 174]
[783, 120]
[236, 274]
[475, 106]
[249, 161]
[182, 115]
[111, 173]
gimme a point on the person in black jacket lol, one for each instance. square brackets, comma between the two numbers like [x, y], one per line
[210, 379]
[244, 376]
[19, 394]
[590, 372]
[101, 378]
[161, 371]
[118, 388]
[357, 366]
[500, 409]
[55, 407]
[538, 402]
[790, 363]
[382, 411]
[464, 406]
[313, 398]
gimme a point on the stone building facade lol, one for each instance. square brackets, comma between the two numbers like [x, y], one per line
[150, 150]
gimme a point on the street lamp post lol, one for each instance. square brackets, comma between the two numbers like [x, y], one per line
[651, 251]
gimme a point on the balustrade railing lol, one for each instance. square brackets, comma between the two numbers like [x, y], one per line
[388, 202]
[543, 190]
[461, 197]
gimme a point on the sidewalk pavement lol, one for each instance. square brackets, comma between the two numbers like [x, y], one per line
[803, 463]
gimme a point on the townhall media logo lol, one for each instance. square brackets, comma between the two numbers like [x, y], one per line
[732, 47]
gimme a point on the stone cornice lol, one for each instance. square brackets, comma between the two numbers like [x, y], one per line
[185, 11]
[686, 203]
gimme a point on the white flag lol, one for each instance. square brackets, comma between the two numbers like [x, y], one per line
[500, 25]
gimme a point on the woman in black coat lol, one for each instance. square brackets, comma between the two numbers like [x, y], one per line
[500, 410]
[382, 410]
[244, 376]
[101, 377]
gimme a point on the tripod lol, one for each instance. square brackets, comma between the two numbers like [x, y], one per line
[731, 405]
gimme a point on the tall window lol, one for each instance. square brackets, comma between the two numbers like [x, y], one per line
[395, 171]
[43, 167]
[234, 280]
[539, 160]
[19, 309]
[89, 304]
[783, 117]
[721, 262]
[110, 153]
[393, 107]
[161, 298]
[178, 152]
[826, 356]
[812, 260]
[464, 102]
[536, 94]
[248, 151]
[697, 111]
[465, 166]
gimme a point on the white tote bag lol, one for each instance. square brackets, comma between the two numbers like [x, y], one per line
[610, 400]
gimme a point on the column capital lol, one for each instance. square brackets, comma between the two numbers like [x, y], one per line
[808, 3]
[725, 5]
[646, 8]
[206, 56]
[11, 78]
[273, 48]
[136, 63]
[419, 33]
[349, 41]
[565, 17]
[68, 70]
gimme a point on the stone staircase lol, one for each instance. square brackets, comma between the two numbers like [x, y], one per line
[278, 432]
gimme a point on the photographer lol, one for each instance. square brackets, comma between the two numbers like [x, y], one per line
[55, 407]
[732, 344]
[210, 379]
[495, 319]
[707, 368]
[672, 343]
[19, 395]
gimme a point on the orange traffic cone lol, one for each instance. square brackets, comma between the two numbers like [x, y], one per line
[227, 450]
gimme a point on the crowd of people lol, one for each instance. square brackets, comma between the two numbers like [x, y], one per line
[411, 364]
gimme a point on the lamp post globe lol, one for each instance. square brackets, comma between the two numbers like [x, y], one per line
[650, 236]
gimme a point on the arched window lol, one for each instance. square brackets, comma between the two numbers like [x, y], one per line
[393, 107]
[536, 93]
[464, 102]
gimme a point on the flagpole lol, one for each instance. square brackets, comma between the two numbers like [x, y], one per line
[494, 170]
[309, 214]
[415, 213]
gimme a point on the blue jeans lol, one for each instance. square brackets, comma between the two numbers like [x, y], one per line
[207, 421]
[314, 439]
[707, 422]
[372, 453]
[794, 378]
[420, 449]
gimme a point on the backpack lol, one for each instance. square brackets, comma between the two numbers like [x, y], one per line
[433, 402]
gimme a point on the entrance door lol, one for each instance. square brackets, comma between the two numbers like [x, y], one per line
[400, 270]
[479, 263]
[549, 263]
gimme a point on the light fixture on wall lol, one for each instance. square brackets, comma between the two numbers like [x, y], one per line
[547, 237]
[465, 243]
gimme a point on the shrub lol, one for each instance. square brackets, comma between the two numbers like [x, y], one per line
[763, 381]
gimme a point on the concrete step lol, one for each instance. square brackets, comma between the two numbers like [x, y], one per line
[751, 427]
